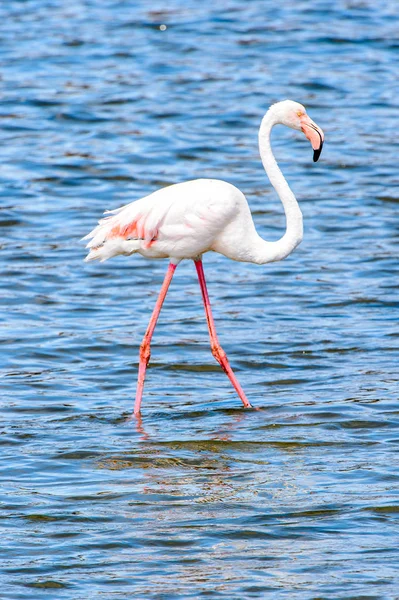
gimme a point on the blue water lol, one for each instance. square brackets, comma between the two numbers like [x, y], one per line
[298, 500]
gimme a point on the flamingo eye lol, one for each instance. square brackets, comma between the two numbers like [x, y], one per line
[300, 113]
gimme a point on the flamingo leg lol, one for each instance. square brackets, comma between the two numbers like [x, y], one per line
[145, 350]
[217, 350]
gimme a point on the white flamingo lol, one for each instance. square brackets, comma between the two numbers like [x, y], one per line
[188, 219]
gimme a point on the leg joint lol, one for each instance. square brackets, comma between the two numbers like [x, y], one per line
[218, 353]
[145, 350]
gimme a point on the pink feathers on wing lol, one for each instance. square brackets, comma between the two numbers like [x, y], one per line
[125, 232]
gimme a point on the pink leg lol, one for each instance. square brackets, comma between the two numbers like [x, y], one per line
[217, 350]
[145, 351]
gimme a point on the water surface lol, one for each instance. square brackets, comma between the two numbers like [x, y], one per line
[201, 499]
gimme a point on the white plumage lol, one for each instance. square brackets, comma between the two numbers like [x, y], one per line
[180, 221]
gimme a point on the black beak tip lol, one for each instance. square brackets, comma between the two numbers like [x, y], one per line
[316, 153]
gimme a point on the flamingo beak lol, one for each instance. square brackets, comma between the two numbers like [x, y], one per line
[314, 134]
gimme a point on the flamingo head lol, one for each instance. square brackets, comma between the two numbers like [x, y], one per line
[292, 114]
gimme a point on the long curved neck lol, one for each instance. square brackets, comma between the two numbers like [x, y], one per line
[274, 251]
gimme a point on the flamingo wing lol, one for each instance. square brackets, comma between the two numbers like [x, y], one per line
[178, 221]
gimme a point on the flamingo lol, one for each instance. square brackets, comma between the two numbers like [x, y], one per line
[185, 220]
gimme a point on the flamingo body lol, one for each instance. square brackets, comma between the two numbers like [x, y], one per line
[181, 221]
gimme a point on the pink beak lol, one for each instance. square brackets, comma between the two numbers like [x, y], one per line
[314, 134]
